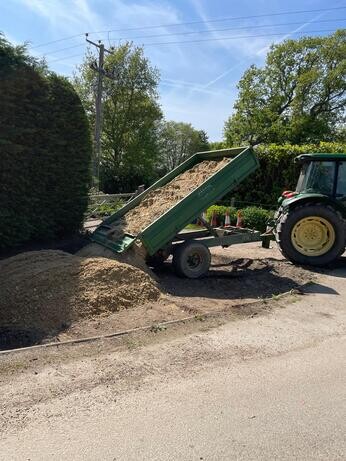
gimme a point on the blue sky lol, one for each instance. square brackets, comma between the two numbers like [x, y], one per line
[198, 80]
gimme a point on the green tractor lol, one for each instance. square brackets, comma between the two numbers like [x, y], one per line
[310, 225]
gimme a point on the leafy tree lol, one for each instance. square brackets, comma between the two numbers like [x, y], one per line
[44, 151]
[340, 134]
[130, 116]
[298, 96]
[179, 141]
[217, 145]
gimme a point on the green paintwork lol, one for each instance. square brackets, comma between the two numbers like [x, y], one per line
[161, 232]
[245, 236]
[320, 157]
[313, 198]
[288, 202]
[117, 246]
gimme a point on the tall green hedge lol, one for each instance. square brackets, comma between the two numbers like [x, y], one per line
[277, 172]
[45, 151]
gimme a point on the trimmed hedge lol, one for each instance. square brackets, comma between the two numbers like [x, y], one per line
[45, 152]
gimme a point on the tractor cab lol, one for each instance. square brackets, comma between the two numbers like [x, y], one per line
[310, 225]
[323, 174]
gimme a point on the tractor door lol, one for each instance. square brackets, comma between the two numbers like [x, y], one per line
[341, 186]
[318, 177]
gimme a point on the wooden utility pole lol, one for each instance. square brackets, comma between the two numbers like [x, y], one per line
[98, 67]
[98, 115]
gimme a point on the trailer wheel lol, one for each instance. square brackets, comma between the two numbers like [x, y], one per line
[191, 260]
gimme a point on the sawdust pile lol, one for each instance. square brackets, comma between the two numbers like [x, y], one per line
[135, 255]
[49, 290]
[160, 200]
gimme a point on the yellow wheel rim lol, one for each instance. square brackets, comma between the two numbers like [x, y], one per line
[313, 236]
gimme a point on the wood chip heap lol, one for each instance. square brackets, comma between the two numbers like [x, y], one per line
[48, 290]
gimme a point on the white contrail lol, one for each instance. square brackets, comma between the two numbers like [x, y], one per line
[266, 48]
[226, 72]
[188, 85]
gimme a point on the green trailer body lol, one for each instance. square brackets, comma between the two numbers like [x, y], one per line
[161, 232]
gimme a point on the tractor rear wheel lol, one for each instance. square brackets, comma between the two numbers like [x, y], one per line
[191, 260]
[312, 234]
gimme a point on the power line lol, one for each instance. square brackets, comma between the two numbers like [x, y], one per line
[69, 37]
[212, 39]
[64, 49]
[190, 23]
[234, 37]
[199, 32]
[225, 29]
[66, 57]
[220, 20]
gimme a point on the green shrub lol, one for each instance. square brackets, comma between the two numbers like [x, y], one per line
[106, 209]
[220, 212]
[45, 151]
[256, 218]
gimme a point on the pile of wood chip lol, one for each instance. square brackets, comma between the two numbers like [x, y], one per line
[49, 290]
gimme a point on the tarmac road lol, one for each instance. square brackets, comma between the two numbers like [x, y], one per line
[285, 403]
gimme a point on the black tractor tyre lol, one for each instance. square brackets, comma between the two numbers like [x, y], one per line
[286, 224]
[191, 260]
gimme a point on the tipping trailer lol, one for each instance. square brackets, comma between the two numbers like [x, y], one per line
[166, 235]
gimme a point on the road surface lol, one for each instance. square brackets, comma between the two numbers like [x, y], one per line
[270, 387]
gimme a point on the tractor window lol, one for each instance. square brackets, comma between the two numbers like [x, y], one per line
[341, 187]
[319, 178]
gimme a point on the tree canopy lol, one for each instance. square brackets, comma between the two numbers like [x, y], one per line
[130, 116]
[178, 141]
[297, 97]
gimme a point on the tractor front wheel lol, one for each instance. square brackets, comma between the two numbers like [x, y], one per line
[311, 234]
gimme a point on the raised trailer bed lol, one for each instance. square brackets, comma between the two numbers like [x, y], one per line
[164, 236]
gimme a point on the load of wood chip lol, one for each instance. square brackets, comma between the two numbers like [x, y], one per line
[160, 200]
[48, 290]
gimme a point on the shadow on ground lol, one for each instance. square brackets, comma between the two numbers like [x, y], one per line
[237, 279]
[336, 269]
[13, 338]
